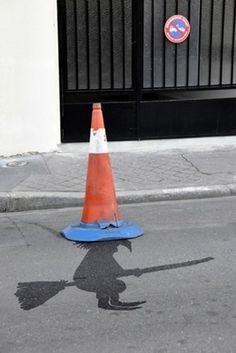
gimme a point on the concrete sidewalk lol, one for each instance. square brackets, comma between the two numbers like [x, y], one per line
[143, 171]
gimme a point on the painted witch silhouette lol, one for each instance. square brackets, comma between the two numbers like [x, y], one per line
[100, 273]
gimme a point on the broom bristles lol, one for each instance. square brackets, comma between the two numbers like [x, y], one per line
[33, 294]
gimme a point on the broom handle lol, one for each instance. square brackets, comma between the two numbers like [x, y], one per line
[164, 267]
[138, 272]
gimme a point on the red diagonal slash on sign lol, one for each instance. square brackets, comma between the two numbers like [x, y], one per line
[178, 29]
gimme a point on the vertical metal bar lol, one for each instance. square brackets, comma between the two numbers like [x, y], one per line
[147, 42]
[222, 41]
[210, 45]
[76, 45]
[134, 46]
[205, 43]
[99, 45]
[139, 48]
[70, 49]
[164, 50]
[200, 37]
[128, 38]
[87, 43]
[170, 50]
[152, 45]
[187, 64]
[62, 22]
[233, 46]
[112, 50]
[81, 48]
[175, 80]
[182, 49]
[228, 37]
[158, 30]
[216, 43]
[193, 45]
[123, 41]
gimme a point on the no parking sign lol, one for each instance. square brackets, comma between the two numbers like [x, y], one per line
[177, 29]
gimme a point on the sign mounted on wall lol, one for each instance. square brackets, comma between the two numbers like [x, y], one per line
[177, 29]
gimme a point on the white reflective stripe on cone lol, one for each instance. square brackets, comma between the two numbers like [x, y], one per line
[98, 141]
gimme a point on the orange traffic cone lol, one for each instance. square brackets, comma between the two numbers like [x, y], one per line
[100, 198]
[101, 219]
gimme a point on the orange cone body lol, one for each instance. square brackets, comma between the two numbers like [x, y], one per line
[100, 198]
[101, 219]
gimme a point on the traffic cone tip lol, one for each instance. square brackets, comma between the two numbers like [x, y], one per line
[97, 106]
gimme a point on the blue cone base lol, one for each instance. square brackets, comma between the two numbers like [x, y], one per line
[102, 231]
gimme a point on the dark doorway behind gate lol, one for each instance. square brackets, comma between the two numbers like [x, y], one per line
[115, 52]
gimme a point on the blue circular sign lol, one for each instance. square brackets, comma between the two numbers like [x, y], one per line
[177, 29]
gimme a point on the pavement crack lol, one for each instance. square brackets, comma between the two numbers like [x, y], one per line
[50, 230]
[46, 164]
[19, 230]
[194, 166]
[19, 182]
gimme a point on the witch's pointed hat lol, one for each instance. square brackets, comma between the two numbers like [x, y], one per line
[101, 219]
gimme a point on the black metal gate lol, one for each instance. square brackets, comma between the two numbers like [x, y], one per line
[115, 52]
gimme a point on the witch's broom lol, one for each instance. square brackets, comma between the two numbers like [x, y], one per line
[33, 294]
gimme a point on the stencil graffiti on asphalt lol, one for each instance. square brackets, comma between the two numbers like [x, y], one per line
[99, 273]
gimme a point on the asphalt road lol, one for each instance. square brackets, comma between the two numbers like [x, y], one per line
[171, 291]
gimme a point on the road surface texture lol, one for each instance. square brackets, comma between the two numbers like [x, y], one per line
[171, 291]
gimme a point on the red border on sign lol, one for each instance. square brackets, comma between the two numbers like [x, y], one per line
[167, 26]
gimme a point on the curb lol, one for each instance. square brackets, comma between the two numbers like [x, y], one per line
[25, 201]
